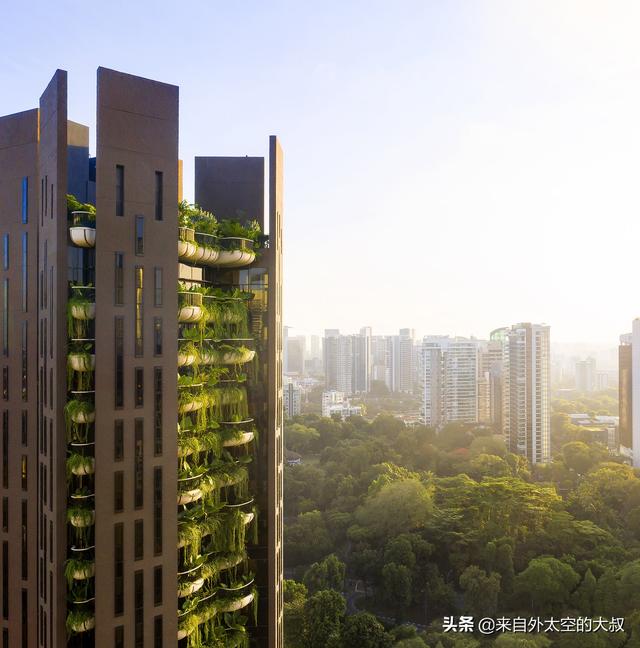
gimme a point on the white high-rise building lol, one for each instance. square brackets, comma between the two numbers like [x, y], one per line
[403, 361]
[347, 361]
[525, 394]
[382, 359]
[292, 399]
[586, 375]
[449, 380]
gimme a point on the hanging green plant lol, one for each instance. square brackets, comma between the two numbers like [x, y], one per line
[81, 309]
[78, 415]
[79, 464]
[79, 620]
[78, 569]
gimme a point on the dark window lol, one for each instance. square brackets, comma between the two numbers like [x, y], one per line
[157, 585]
[139, 314]
[139, 239]
[5, 514]
[5, 449]
[25, 549]
[138, 540]
[157, 510]
[159, 192]
[23, 472]
[119, 637]
[157, 336]
[5, 318]
[119, 373]
[138, 465]
[5, 638]
[157, 632]
[25, 615]
[24, 375]
[24, 428]
[157, 411]
[119, 190]
[139, 609]
[119, 279]
[5, 580]
[157, 286]
[5, 383]
[118, 569]
[25, 271]
[25, 200]
[5, 252]
[139, 382]
[118, 491]
[118, 440]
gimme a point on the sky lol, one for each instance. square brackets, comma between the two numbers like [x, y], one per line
[449, 166]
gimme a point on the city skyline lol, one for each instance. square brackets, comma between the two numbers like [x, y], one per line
[482, 133]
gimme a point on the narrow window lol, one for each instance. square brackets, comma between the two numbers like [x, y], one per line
[25, 200]
[139, 382]
[119, 373]
[157, 510]
[159, 198]
[5, 514]
[24, 428]
[24, 472]
[139, 313]
[138, 540]
[118, 491]
[5, 449]
[24, 356]
[138, 609]
[157, 632]
[119, 637]
[118, 440]
[157, 585]
[25, 550]
[5, 318]
[5, 252]
[157, 411]
[119, 279]
[5, 580]
[157, 286]
[25, 624]
[5, 383]
[138, 465]
[157, 336]
[25, 271]
[118, 569]
[139, 240]
[119, 190]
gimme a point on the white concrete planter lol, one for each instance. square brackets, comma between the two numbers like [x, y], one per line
[186, 250]
[235, 604]
[88, 572]
[190, 588]
[186, 359]
[81, 522]
[238, 358]
[182, 634]
[209, 256]
[82, 417]
[84, 311]
[87, 468]
[80, 362]
[83, 236]
[246, 437]
[186, 497]
[191, 406]
[188, 314]
[84, 626]
[247, 517]
[235, 258]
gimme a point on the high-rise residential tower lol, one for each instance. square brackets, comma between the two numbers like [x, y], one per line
[526, 375]
[141, 422]
[586, 375]
[404, 361]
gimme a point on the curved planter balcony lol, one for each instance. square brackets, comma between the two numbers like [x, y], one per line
[85, 311]
[83, 573]
[207, 252]
[241, 355]
[84, 417]
[191, 405]
[241, 439]
[82, 521]
[186, 243]
[186, 359]
[188, 496]
[80, 625]
[83, 468]
[82, 361]
[234, 604]
[189, 307]
[247, 518]
[82, 230]
[236, 252]
[190, 587]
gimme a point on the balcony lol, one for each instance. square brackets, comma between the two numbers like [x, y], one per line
[82, 230]
[235, 252]
[80, 465]
[80, 517]
[79, 620]
[189, 307]
[186, 243]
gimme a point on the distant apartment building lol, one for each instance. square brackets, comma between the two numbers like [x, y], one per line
[404, 361]
[295, 355]
[629, 393]
[526, 377]
[292, 399]
[586, 375]
[347, 361]
[313, 360]
[336, 403]
[382, 360]
[449, 380]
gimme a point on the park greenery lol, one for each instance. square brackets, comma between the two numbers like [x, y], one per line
[432, 525]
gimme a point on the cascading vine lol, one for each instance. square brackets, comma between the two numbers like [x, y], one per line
[79, 415]
[216, 435]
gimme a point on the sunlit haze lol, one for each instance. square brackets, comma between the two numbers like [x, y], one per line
[451, 167]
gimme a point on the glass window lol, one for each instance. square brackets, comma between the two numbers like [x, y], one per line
[119, 190]
[119, 361]
[24, 428]
[25, 550]
[119, 279]
[119, 637]
[24, 372]
[138, 540]
[118, 491]
[157, 585]
[139, 314]
[24, 472]
[139, 382]
[157, 336]
[5, 318]
[157, 510]
[157, 411]
[118, 569]
[5, 449]
[139, 242]
[157, 632]
[159, 195]
[25, 200]
[138, 464]
[118, 440]
[5, 580]
[5, 383]
[157, 286]
[25, 271]
[5, 252]
[5, 514]
[138, 587]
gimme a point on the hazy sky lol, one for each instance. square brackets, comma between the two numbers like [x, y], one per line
[450, 166]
